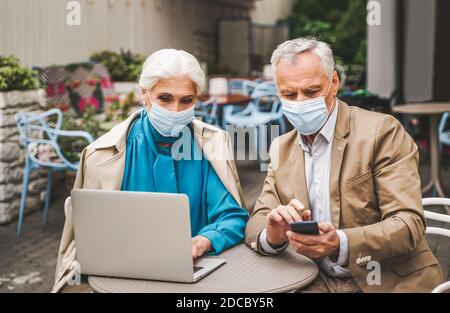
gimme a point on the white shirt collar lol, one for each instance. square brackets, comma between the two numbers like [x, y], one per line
[327, 131]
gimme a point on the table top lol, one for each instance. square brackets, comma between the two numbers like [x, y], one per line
[244, 271]
[430, 108]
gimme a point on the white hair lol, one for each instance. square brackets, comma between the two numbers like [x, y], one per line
[170, 63]
[292, 48]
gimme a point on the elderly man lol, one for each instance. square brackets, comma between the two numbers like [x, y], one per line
[353, 171]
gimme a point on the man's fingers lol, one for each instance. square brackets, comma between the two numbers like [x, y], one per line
[285, 214]
[309, 251]
[299, 207]
[275, 218]
[309, 240]
[293, 212]
[306, 216]
[325, 227]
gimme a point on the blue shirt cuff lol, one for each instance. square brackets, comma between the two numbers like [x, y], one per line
[218, 241]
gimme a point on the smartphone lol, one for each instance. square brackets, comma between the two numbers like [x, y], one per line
[306, 228]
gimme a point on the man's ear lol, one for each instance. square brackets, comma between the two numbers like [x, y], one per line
[336, 83]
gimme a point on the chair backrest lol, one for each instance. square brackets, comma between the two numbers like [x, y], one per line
[436, 216]
[36, 130]
[443, 122]
[207, 110]
[438, 230]
[241, 86]
[265, 97]
[32, 126]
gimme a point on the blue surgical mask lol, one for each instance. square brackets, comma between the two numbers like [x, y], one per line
[308, 116]
[169, 123]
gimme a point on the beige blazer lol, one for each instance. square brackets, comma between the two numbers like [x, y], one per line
[102, 165]
[375, 198]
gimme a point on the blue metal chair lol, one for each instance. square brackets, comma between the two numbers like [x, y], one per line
[264, 108]
[241, 86]
[34, 130]
[207, 111]
[444, 134]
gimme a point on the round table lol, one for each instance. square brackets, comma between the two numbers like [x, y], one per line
[245, 271]
[233, 99]
[435, 110]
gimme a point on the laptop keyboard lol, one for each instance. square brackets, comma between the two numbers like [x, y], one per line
[197, 268]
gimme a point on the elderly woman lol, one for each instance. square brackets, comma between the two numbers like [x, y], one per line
[144, 153]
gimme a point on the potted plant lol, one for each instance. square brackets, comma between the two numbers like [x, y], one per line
[19, 91]
[124, 68]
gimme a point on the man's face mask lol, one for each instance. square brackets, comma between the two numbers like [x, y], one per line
[308, 116]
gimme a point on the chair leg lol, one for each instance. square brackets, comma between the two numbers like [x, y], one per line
[48, 194]
[23, 199]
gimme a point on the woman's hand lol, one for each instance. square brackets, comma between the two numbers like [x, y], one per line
[200, 245]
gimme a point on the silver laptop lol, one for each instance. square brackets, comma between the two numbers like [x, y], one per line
[136, 235]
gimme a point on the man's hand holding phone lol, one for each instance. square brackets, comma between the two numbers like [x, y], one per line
[305, 242]
[278, 221]
[323, 244]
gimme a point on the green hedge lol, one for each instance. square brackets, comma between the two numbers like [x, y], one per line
[123, 66]
[14, 76]
[341, 23]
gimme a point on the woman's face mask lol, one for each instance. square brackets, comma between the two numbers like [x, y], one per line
[308, 116]
[169, 123]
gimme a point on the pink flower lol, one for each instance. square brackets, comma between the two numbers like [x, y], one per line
[82, 104]
[75, 84]
[91, 82]
[93, 101]
[50, 91]
[106, 82]
[61, 89]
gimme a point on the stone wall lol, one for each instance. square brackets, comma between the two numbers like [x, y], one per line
[12, 159]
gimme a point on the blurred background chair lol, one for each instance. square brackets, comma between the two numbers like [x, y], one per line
[444, 132]
[42, 151]
[263, 110]
[241, 86]
[207, 111]
[437, 230]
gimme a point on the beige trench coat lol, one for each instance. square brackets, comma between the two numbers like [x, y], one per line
[102, 165]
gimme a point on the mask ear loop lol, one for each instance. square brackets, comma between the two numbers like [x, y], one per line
[329, 87]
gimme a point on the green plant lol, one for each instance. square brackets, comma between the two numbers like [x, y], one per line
[341, 23]
[71, 148]
[215, 69]
[134, 62]
[123, 66]
[14, 76]
[119, 111]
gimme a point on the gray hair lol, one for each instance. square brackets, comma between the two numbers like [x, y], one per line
[170, 63]
[291, 48]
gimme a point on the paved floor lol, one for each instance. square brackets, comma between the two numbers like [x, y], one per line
[27, 263]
